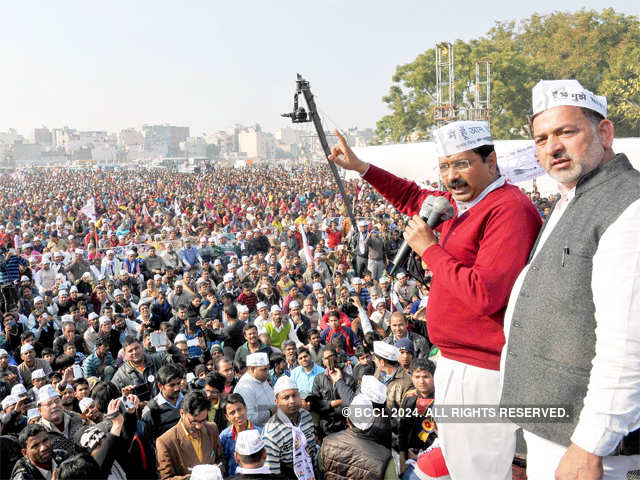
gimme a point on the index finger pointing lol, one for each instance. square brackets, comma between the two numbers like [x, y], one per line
[341, 139]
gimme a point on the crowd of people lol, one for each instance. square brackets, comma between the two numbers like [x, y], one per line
[167, 325]
[187, 308]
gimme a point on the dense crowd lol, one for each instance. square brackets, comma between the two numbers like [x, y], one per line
[142, 332]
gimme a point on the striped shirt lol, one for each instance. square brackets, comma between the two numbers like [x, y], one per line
[279, 444]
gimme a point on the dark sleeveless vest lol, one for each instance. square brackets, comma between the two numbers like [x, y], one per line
[552, 334]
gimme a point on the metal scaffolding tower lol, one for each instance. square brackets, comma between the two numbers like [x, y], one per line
[445, 110]
[482, 102]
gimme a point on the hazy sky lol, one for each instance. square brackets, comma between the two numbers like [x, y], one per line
[208, 64]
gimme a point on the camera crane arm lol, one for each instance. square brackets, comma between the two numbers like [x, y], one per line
[300, 115]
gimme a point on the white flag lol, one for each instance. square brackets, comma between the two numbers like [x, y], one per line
[90, 209]
[145, 210]
[305, 246]
[520, 164]
[176, 207]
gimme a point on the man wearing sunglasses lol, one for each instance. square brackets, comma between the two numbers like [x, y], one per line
[475, 262]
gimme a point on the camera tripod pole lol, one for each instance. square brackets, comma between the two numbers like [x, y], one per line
[302, 85]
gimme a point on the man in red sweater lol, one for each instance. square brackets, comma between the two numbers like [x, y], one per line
[474, 263]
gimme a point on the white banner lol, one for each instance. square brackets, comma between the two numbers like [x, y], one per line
[520, 164]
[90, 209]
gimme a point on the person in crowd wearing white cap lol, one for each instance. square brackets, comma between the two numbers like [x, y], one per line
[177, 297]
[14, 408]
[405, 291]
[352, 453]
[111, 265]
[55, 418]
[89, 411]
[580, 290]
[39, 458]
[262, 318]
[277, 329]
[358, 241]
[253, 344]
[77, 266]
[33, 416]
[300, 324]
[45, 277]
[255, 389]
[38, 380]
[289, 435]
[106, 447]
[250, 455]
[390, 372]
[192, 441]
[236, 414]
[92, 332]
[473, 272]
[9, 373]
[30, 363]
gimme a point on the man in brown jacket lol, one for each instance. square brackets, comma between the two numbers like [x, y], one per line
[397, 380]
[389, 372]
[193, 441]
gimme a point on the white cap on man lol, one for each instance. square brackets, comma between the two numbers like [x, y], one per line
[33, 413]
[85, 403]
[249, 442]
[259, 359]
[206, 472]
[9, 400]
[456, 137]
[360, 412]
[386, 351]
[47, 392]
[261, 305]
[38, 373]
[284, 383]
[27, 347]
[275, 309]
[243, 308]
[373, 389]
[554, 93]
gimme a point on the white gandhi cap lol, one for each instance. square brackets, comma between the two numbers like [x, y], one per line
[386, 351]
[249, 442]
[259, 359]
[554, 93]
[460, 136]
[373, 389]
[284, 383]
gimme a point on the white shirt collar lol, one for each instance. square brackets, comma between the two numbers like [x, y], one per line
[464, 206]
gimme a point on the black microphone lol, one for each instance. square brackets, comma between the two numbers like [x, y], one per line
[434, 211]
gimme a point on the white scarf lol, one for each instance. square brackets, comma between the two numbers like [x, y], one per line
[302, 464]
[253, 471]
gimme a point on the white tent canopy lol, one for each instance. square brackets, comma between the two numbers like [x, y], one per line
[418, 161]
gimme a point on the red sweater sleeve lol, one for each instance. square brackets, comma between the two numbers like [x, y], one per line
[484, 287]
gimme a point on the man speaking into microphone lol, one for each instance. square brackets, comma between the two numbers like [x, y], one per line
[480, 253]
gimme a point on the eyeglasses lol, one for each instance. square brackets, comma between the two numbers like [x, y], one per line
[458, 166]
